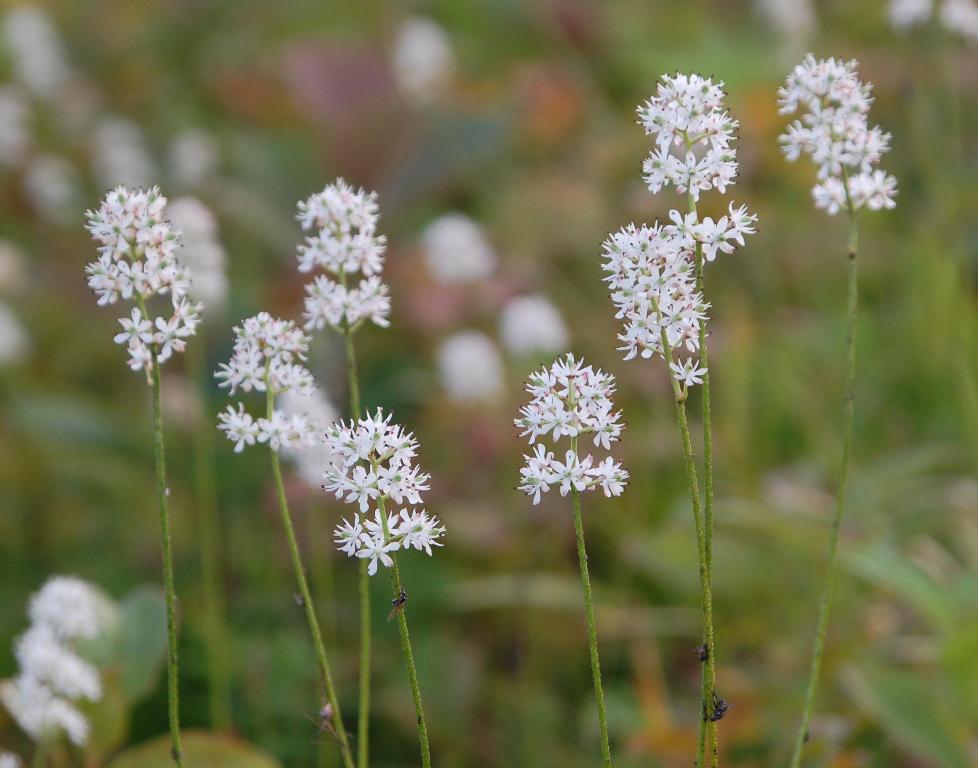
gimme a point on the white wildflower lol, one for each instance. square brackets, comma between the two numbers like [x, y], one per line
[457, 250]
[422, 60]
[9, 760]
[834, 132]
[38, 55]
[569, 399]
[374, 466]
[346, 244]
[904, 14]
[14, 341]
[71, 608]
[267, 357]
[192, 157]
[316, 407]
[795, 20]
[470, 367]
[15, 129]
[961, 17]
[137, 262]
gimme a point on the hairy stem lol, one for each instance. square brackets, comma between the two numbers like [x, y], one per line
[708, 729]
[402, 628]
[363, 586]
[208, 532]
[828, 586]
[592, 632]
[307, 604]
[172, 663]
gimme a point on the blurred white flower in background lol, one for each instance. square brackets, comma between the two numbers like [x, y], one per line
[961, 17]
[312, 460]
[202, 253]
[470, 367]
[51, 184]
[38, 56]
[8, 760]
[530, 324]
[119, 154]
[52, 676]
[457, 250]
[193, 157]
[14, 342]
[15, 137]
[795, 20]
[422, 60]
[908, 13]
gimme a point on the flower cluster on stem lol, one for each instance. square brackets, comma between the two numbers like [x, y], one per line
[570, 399]
[834, 131]
[373, 464]
[345, 245]
[137, 261]
[267, 358]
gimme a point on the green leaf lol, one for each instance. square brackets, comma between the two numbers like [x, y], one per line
[200, 750]
[142, 640]
[913, 715]
[888, 569]
[960, 660]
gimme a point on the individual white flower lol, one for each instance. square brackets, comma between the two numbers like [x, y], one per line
[345, 244]
[316, 407]
[470, 367]
[120, 155]
[193, 157]
[14, 341]
[904, 14]
[569, 399]
[373, 464]
[267, 358]
[835, 133]
[457, 250]
[51, 183]
[137, 262]
[529, 324]
[422, 60]
[38, 56]
[202, 253]
[15, 131]
[688, 373]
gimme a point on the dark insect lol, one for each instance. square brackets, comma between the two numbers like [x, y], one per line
[398, 605]
[720, 708]
[702, 652]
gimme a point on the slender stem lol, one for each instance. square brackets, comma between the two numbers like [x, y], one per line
[852, 301]
[363, 586]
[40, 758]
[708, 728]
[592, 632]
[402, 628]
[307, 604]
[172, 664]
[208, 528]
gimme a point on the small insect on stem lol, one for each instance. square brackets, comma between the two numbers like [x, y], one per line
[720, 708]
[702, 652]
[299, 600]
[325, 720]
[398, 605]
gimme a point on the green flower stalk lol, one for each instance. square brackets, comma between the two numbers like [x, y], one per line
[835, 132]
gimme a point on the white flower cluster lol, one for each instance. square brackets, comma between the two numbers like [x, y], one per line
[470, 367]
[422, 60]
[652, 270]
[266, 359]
[374, 463]
[457, 249]
[137, 261]
[52, 675]
[834, 132]
[346, 243]
[8, 760]
[957, 16]
[570, 399]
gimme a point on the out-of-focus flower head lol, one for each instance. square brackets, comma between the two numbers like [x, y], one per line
[51, 183]
[267, 358]
[457, 250]
[38, 55]
[529, 324]
[119, 154]
[835, 133]
[316, 407]
[470, 367]
[202, 253]
[15, 127]
[137, 262]
[570, 399]
[422, 61]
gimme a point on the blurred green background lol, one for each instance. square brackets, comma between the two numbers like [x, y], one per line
[529, 130]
